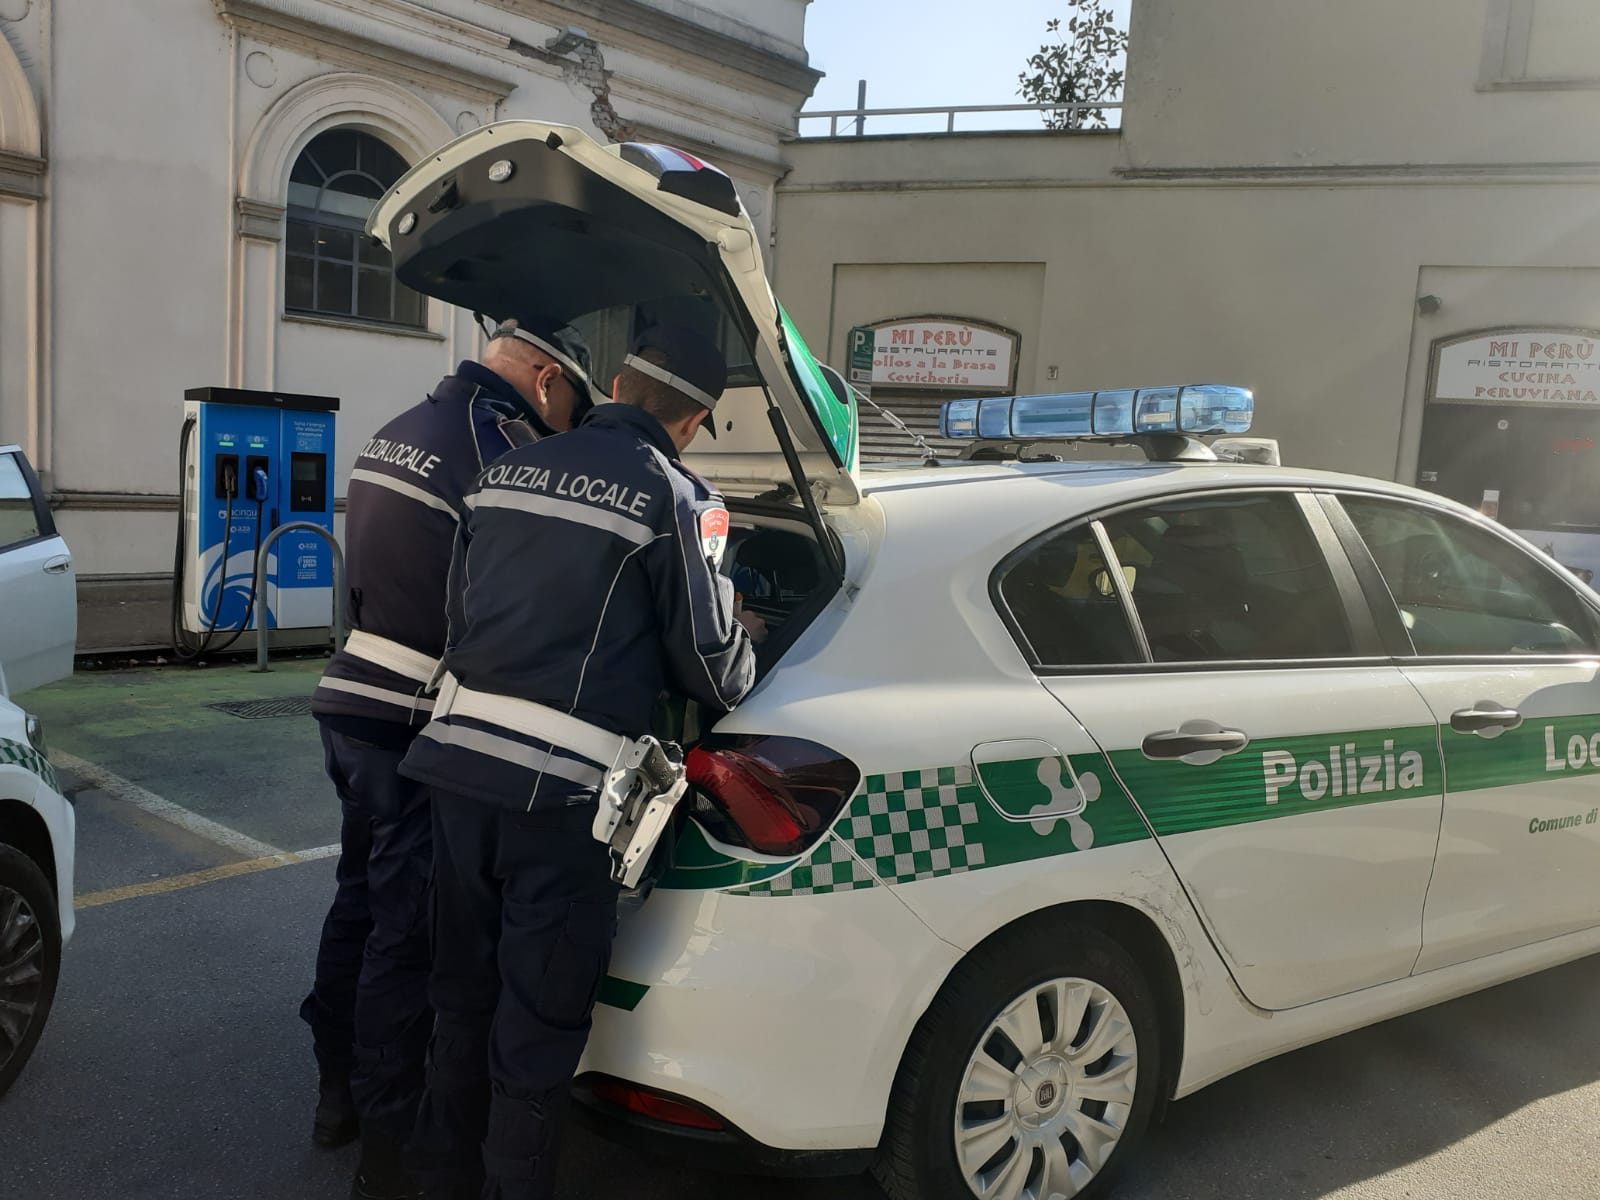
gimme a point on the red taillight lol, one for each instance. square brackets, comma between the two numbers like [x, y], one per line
[653, 1105]
[776, 795]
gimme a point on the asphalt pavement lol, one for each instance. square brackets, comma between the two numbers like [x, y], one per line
[174, 1065]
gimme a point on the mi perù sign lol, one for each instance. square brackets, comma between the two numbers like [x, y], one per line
[943, 354]
[1526, 366]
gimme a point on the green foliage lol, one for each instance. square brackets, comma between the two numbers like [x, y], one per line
[1078, 69]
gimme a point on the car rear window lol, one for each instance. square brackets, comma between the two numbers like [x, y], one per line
[1230, 578]
[1063, 602]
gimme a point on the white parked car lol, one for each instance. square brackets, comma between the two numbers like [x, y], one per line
[1068, 787]
[38, 601]
[37, 582]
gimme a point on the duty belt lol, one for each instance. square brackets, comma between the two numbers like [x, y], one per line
[395, 658]
[391, 656]
[644, 780]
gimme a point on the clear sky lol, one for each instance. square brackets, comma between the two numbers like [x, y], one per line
[914, 53]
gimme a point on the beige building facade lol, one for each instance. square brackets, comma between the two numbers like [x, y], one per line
[1315, 201]
[180, 182]
[1324, 203]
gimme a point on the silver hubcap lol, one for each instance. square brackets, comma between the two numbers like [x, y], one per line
[1047, 1093]
[21, 971]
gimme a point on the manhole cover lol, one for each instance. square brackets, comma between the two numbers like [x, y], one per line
[254, 710]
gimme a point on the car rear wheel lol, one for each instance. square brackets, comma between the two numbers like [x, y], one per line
[1032, 1075]
[30, 959]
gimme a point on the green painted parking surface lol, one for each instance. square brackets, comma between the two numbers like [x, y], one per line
[154, 728]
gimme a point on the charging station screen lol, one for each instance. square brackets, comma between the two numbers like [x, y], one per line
[308, 476]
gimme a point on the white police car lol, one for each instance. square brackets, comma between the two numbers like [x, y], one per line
[1068, 787]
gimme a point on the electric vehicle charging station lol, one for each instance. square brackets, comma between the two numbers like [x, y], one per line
[252, 461]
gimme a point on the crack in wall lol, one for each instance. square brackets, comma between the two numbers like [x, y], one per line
[585, 67]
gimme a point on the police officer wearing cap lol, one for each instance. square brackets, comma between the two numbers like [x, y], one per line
[591, 592]
[368, 1008]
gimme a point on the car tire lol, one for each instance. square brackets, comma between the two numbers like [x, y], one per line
[943, 1117]
[30, 960]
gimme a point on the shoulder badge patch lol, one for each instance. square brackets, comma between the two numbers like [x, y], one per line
[714, 533]
[518, 432]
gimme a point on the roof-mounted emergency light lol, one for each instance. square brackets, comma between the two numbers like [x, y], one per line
[682, 174]
[1164, 421]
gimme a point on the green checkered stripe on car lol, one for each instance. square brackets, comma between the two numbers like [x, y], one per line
[901, 827]
[917, 824]
[26, 757]
[909, 826]
[829, 868]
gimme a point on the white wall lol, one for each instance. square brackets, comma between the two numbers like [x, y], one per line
[139, 193]
[17, 357]
[21, 230]
[1243, 82]
[165, 116]
[1563, 39]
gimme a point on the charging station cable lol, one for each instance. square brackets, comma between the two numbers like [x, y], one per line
[258, 488]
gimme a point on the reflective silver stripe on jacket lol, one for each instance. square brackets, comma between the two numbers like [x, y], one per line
[504, 748]
[391, 655]
[410, 702]
[636, 532]
[531, 720]
[410, 491]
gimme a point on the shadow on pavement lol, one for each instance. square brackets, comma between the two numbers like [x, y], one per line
[1385, 1099]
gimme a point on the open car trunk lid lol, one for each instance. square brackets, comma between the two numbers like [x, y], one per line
[525, 218]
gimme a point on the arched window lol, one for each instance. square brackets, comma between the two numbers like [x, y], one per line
[332, 268]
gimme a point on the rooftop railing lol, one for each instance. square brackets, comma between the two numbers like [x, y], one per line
[857, 117]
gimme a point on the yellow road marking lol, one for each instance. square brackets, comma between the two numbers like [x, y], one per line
[177, 883]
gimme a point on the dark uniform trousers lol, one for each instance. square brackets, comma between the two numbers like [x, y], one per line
[368, 1009]
[525, 912]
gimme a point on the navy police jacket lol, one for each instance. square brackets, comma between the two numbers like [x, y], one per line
[582, 581]
[405, 501]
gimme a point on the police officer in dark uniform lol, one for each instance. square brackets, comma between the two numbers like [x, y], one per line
[591, 593]
[368, 1007]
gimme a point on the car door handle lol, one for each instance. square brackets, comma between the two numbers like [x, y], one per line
[58, 565]
[1197, 742]
[1485, 716]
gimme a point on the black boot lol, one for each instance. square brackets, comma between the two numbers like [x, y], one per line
[519, 1152]
[335, 1122]
[382, 1175]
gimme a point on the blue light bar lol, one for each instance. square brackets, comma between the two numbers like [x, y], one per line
[958, 419]
[1113, 412]
[1155, 410]
[994, 417]
[1053, 416]
[1194, 409]
[1208, 408]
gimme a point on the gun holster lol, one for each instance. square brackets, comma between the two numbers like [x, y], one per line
[636, 805]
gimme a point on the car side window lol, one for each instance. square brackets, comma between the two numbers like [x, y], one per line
[19, 519]
[1063, 601]
[1462, 590]
[1230, 578]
